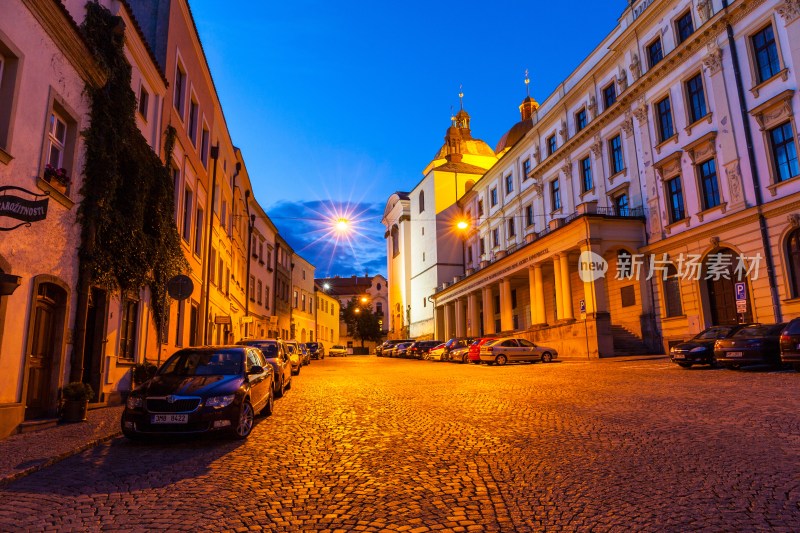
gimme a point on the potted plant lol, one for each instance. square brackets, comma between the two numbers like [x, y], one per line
[75, 398]
[142, 372]
[57, 177]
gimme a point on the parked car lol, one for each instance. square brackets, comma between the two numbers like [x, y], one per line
[275, 354]
[436, 353]
[459, 355]
[204, 389]
[502, 351]
[420, 349]
[755, 344]
[454, 343]
[293, 351]
[316, 350]
[790, 344]
[475, 348]
[382, 349]
[305, 355]
[337, 350]
[400, 350]
[699, 350]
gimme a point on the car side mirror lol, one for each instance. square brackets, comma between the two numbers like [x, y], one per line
[255, 369]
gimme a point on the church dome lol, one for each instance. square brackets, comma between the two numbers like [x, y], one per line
[518, 130]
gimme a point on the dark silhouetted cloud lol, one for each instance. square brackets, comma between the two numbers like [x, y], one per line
[309, 227]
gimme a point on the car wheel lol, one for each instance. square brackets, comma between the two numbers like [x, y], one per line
[547, 357]
[288, 386]
[501, 360]
[465, 359]
[243, 425]
[278, 392]
[685, 365]
[270, 405]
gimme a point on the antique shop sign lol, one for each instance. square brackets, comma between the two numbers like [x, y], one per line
[25, 209]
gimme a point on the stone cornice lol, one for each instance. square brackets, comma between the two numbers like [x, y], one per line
[64, 32]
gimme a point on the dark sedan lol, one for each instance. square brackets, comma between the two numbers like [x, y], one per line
[400, 350]
[790, 344]
[699, 350]
[751, 345]
[420, 349]
[199, 390]
[316, 350]
[275, 355]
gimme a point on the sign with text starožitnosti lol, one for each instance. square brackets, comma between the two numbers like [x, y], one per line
[21, 204]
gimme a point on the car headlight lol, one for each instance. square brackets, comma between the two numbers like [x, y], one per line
[134, 402]
[218, 402]
[698, 349]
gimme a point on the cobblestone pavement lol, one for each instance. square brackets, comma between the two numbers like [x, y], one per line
[370, 444]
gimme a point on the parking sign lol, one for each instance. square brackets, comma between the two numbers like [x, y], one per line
[741, 293]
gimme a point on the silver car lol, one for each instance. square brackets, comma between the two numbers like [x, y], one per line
[295, 356]
[275, 354]
[502, 351]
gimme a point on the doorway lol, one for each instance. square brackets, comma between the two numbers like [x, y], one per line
[722, 292]
[93, 345]
[46, 335]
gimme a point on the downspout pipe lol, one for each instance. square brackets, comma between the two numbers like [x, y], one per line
[751, 156]
[207, 266]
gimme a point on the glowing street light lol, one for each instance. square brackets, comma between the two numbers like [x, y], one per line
[342, 225]
[326, 286]
[363, 299]
[462, 225]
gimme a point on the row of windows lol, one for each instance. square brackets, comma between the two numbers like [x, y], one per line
[179, 100]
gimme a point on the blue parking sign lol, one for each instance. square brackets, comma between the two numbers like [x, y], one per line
[583, 306]
[741, 292]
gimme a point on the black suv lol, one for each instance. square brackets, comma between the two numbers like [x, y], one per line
[790, 344]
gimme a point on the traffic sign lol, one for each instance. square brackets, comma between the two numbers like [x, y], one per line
[741, 306]
[180, 287]
[583, 309]
[741, 291]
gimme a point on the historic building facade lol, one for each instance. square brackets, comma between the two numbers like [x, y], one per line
[303, 309]
[369, 291]
[326, 311]
[669, 156]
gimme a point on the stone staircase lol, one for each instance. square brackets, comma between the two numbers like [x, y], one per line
[626, 343]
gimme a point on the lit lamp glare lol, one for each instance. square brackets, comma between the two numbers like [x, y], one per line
[342, 225]
[363, 299]
[462, 225]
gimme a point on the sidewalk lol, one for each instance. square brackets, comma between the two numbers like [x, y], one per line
[25, 453]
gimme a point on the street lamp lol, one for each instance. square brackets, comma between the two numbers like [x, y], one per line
[463, 226]
[342, 225]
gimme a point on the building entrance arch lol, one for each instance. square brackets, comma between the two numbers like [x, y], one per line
[720, 277]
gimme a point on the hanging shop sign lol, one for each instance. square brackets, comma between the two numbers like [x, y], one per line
[21, 204]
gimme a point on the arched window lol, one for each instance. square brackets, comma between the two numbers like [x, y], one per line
[672, 292]
[793, 250]
[379, 308]
[378, 287]
[421, 201]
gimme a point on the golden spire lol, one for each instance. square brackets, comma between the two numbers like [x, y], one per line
[527, 83]
[461, 96]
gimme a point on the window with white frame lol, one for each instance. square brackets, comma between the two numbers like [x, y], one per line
[188, 204]
[179, 96]
[144, 102]
[128, 328]
[765, 54]
[56, 140]
[198, 232]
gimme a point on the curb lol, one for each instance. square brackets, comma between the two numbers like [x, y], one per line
[5, 480]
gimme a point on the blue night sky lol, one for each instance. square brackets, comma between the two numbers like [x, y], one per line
[342, 103]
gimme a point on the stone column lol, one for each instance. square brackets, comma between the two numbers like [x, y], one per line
[506, 311]
[566, 288]
[595, 291]
[537, 294]
[559, 288]
[473, 315]
[461, 319]
[730, 180]
[448, 321]
[488, 311]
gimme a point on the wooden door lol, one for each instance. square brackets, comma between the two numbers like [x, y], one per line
[40, 360]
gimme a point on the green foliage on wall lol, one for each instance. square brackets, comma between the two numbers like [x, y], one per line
[129, 238]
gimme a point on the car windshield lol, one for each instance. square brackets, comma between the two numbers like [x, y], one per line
[793, 328]
[291, 348]
[759, 331]
[714, 333]
[269, 349]
[311, 345]
[338, 347]
[203, 363]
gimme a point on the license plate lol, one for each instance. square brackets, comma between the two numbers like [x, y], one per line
[734, 354]
[169, 419]
[679, 356]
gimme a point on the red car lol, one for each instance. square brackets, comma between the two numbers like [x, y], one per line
[475, 349]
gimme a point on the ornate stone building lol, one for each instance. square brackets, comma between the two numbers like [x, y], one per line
[668, 157]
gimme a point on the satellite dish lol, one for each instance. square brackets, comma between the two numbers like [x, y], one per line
[180, 287]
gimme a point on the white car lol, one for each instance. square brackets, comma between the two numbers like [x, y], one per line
[436, 353]
[511, 350]
[337, 349]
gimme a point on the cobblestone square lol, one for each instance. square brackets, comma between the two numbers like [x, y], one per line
[372, 444]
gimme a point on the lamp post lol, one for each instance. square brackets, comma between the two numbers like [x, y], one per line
[462, 227]
[207, 269]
